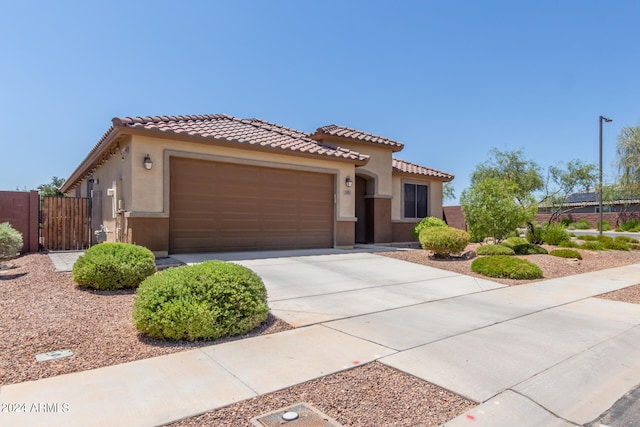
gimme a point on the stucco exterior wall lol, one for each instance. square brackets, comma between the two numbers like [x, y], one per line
[378, 166]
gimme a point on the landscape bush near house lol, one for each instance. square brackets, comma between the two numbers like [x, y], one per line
[495, 249]
[554, 233]
[113, 266]
[507, 267]
[514, 241]
[444, 241]
[566, 253]
[583, 224]
[204, 301]
[529, 249]
[632, 225]
[606, 226]
[429, 221]
[10, 241]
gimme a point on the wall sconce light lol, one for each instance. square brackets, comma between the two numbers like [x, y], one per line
[348, 182]
[148, 164]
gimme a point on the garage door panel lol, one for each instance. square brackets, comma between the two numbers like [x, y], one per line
[225, 207]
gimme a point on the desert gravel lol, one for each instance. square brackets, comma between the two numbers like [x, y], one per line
[42, 311]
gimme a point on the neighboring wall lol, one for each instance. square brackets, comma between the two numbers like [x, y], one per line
[21, 210]
[614, 218]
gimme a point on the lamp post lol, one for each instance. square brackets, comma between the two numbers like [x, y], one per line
[602, 119]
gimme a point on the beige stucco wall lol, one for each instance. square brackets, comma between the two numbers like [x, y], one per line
[435, 196]
[151, 186]
[378, 166]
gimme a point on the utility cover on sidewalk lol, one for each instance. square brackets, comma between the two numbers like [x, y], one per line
[307, 416]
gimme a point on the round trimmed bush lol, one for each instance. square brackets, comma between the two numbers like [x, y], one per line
[553, 234]
[566, 253]
[444, 241]
[114, 266]
[593, 246]
[10, 241]
[430, 221]
[495, 250]
[568, 244]
[529, 249]
[514, 241]
[507, 267]
[204, 301]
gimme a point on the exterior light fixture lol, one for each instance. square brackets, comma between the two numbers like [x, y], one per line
[348, 182]
[607, 120]
[148, 164]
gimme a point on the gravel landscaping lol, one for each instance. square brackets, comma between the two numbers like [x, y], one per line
[42, 311]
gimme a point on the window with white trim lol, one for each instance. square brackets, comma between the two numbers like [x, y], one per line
[416, 200]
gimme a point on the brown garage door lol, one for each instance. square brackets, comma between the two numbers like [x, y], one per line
[231, 207]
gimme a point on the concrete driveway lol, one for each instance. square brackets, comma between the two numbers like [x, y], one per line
[537, 354]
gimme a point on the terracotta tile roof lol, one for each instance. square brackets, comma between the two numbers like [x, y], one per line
[345, 132]
[401, 166]
[254, 132]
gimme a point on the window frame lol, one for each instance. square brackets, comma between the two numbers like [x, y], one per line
[415, 215]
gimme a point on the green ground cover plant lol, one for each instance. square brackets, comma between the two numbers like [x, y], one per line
[593, 246]
[568, 244]
[514, 241]
[113, 266]
[553, 234]
[496, 249]
[566, 253]
[210, 300]
[507, 267]
[529, 249]
[583, 224]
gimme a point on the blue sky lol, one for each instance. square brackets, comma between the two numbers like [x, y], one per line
[450, 79]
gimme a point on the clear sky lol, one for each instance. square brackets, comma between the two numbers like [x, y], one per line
[451, 79]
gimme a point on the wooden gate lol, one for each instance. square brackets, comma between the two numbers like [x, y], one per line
[66, 223]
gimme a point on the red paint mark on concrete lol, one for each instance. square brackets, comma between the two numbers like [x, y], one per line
[471, 417]
[356, 362]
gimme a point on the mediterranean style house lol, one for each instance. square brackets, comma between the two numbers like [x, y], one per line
[211, 183]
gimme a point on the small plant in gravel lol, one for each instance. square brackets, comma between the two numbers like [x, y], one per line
[627, 239]
[10, 241]
[508, 267]
[553, 234]
[568, 244]
[566, 253]
[444, 241]
[210, 300]
[514, 241]
[606, 226]
[593, 246]
[113, 266]
[583, 224]
[429, 221]
[632, 225]
[496, 249]
[588, 238]
[529, 249]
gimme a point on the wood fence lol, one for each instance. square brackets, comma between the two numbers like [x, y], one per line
[66, 223]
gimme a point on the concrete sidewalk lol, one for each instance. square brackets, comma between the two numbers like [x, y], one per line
[541, 354]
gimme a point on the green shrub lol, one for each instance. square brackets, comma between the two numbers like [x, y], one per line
[568, 244]
[634, 246]
[588, 238]
[514, 241]
[627, 239]
[495, 250]
[113, 266]
[444, 241]
[529, 249]
[506, 267]
[566, 253]
[606, 226]
[430, 221]
[583, 224]
[565, 221]
[10, 241]
[615, 244]
[537, 235]
[593, 246]
[553, 234]
[204, 301]
[632, 224]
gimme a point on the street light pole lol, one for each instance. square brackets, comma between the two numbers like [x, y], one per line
[602, 119]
